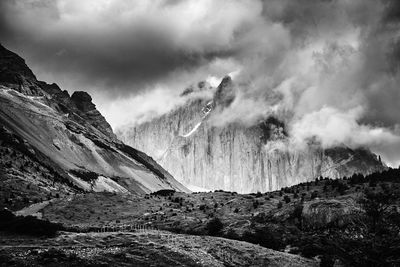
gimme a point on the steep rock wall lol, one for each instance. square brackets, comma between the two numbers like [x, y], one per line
[235, 157]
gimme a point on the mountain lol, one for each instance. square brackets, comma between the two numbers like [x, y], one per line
[235, 157]
[56, 144]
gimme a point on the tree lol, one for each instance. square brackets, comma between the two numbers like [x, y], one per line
[376, 204]
[264, 237]
[314, 194]
[256, 204]
[286, 198]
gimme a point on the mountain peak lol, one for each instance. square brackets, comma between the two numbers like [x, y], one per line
[14, 73]
[225, 94]
[227, 80]
[83, 101]
[195, 88]
[63, 142]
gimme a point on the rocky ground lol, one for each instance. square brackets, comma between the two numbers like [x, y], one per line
[150, 248]
[349, 222]
[190, 212]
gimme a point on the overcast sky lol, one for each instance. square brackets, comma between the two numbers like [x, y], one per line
[329, 68]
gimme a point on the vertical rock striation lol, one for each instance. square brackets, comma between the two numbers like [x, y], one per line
[236, 157]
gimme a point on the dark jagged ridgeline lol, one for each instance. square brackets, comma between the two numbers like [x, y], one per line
[14, 73]
[389, 175]
[145, 160]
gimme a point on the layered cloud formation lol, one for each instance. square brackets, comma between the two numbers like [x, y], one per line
[328, 68]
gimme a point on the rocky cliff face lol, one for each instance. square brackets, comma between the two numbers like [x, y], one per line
[236, 157]
[14, 73]
[62, 144]
[89, 113]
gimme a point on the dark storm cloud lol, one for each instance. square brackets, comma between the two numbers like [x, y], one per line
[116, 68]
[392, 11]
[119, 47]
[318, 65]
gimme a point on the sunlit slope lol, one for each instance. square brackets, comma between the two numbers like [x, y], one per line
[74, 135]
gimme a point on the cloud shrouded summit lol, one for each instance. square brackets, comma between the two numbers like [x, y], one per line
[328, 68]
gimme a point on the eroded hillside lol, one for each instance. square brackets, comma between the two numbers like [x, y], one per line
[56, 144]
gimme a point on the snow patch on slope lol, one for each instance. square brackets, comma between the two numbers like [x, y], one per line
[205, 110]
[193, 130]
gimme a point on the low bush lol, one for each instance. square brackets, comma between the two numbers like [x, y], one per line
[263, 237]
[164, 193]
[214, 226]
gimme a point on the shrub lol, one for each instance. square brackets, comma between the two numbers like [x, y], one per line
[87, 176]
[164, 192]
[231, 234]
[314, 194]
[263, 237]
[214, 226]
[256, 204]
[286, 198]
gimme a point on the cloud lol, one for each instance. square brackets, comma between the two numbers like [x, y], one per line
[331, 72]
[142, 107]
[334, 127]
[316, 65]
[121, 46]
[331, 127]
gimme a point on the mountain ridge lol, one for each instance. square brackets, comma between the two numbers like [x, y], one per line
[237, 157]
[62, 144]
